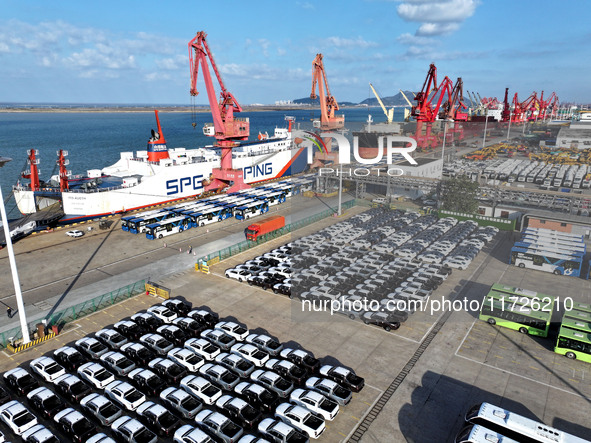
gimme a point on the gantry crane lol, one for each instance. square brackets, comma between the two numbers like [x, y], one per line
[454, 110]
[226, 129]
[406, 111]
[389, 112]
[328, 104]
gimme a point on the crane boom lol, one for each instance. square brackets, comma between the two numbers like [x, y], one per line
[328, 104]
[406, 98]
[389, 113]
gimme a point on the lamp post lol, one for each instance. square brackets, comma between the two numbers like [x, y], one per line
[485, 125]
[509, 128]
[17, 286]
[444, 136]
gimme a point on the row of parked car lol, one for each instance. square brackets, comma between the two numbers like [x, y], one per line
[393, 258]
[175, 373]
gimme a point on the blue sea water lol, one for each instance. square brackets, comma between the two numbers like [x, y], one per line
[95, 139]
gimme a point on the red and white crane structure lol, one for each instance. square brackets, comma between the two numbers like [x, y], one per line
[227, 129]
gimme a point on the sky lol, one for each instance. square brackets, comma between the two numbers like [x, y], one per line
[135, 52]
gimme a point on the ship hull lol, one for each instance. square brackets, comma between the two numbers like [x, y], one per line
[160, 185]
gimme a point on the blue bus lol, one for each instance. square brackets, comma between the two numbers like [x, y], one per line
[210, 214]
[139, 224]
[548, 260]
[125, 220]
[168, 227]
[251, 209]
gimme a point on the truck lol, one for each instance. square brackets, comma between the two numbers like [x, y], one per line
[269, 224]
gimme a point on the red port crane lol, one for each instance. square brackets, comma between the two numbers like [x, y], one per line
[226, 129]
[506, 114]
[424, 111]
[328, 104]
[33, 172]
[455, 110]
[549, 105]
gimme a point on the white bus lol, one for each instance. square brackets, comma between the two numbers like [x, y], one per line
[168, 227]
[515, 426]
[548, 261]
[274, 197]
[210, 214]
[251, 209]
[479, 434]
[550, 233]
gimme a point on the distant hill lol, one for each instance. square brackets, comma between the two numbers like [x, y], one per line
[316, 102]
[393, 100]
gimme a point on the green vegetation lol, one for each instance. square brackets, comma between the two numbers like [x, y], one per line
[459, 194]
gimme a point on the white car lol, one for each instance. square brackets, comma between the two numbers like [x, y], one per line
[125, 395]
[331, 389]
[457, 263]
[40, 434]
[279, 431]
[220, 375]
[75, 233]
[118, 362]
[219, 425]
[190, 434]
[96, 375]
[272, 381]
[251, 353]
[162, 313]
[301, 419]
[181, 401]
[315, 402]
[132, 430]
[203, 347]
[265, 343]
[100, 438]
[47, 368]
[101, 408]
[17, 417]
[238, 274]
[233, 329]
[186, 358]
[201, 388]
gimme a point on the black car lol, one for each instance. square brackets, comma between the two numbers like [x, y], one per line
[129, 329]
[173, 334]
[190, 326]
[45, 402]
[20, 381]
[75, 425]
[282, 288]
[4, 396]
[288, 370]
[146, 381]
[181, 307]
[138, 353]
[388, 321]
[301, 358]
[158, 419]
[260, 397]
[168, 370]
[72, 388]
[343, 376]
[204, 317]
[70, 358]
[239, 410]
[147, 322]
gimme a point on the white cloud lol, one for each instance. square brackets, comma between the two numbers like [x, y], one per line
[340, 42]
[409, 39]
[305, 5]
[437, 17]
[264, 44]
[173, 63]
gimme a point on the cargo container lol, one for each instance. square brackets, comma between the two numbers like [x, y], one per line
[269, 224]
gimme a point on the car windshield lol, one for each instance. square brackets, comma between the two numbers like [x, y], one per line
[167, 313]
[108, 410]
[81, 427]
[22, 418]
[189, 403]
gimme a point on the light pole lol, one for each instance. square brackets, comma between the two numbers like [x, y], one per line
[485, 125]
[509, 128]
[340, 210]
[17, 286]
[444, 135]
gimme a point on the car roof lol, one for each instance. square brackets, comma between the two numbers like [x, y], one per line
[41, 392]
[17, 372]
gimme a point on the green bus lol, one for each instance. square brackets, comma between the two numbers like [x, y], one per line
[574, 337]
[528, 314]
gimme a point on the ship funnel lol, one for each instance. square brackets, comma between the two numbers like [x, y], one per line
[157, 149]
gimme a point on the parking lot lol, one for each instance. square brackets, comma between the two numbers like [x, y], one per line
[460, 367]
